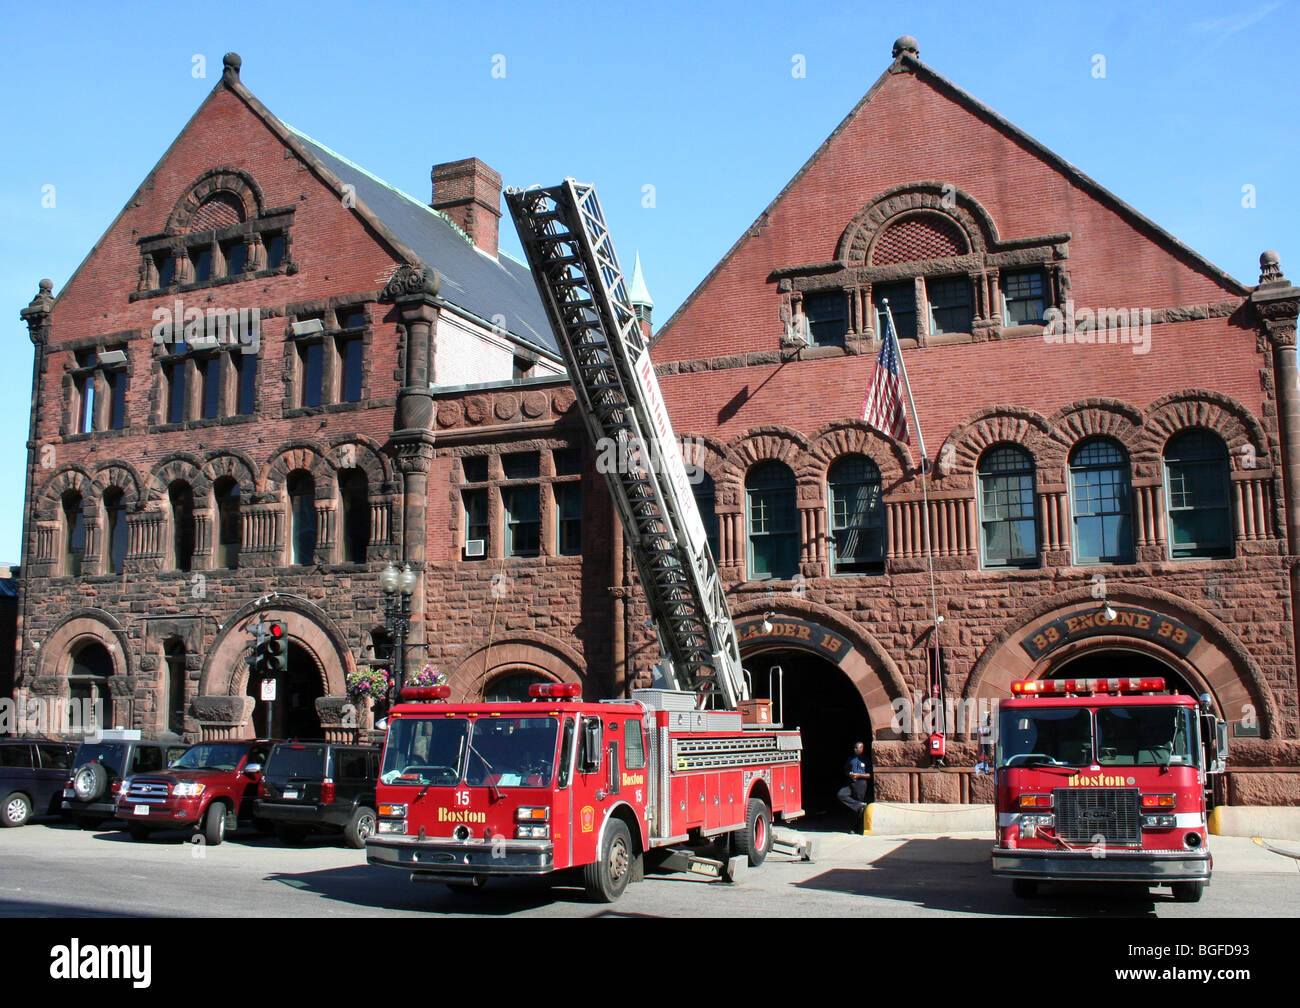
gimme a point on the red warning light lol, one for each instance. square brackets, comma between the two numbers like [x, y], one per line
[277, 629]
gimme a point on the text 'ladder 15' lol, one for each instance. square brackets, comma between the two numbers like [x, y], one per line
[577, 274]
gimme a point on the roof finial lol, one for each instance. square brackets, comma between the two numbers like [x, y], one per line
[1270, 268]
[907, 44]
[231, 62]
[638, 293]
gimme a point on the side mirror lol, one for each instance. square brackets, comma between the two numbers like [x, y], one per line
[253, 768]
[593, 743]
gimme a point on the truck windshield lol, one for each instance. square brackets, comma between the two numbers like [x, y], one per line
[211, 757]
[1145, 736]
[498, 751]
[1046, 737]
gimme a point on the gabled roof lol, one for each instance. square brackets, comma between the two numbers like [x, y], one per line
[471, 279]
[906, 60]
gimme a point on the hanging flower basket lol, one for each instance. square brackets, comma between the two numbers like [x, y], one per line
[370, 683]
[427, 676]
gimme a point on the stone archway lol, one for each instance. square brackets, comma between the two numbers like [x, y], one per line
[523, 651]
[1201, 650]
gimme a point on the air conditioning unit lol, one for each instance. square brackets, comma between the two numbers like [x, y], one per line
[474, 547]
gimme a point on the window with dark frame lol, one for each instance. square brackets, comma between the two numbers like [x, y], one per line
[773, 522]
[182, 512]
[521, 465]
[1198, 475]
[74, 535]
[1024, 297]
[1101, 497]
[568, 518]
[475, 503]
[245, 366]
[827, 316]
[354, 494]
[115, 531]
[229, 523]
[706, 498]
[950, 304]
[174, 371]
[857, 516]
[115, 381]
[523, 520]
[311, 363]
[567, 461]
[350, 355]
[475, 468]
[209, 370]
[902, 307]
[301, 489]
[1008, 508]
[276, 246]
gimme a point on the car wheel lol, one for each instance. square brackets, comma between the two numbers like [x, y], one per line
[138, 832]
[1023, 888]
[17, 810]
[290, 834]
[755, 840]
[359, 827]
[605, 880]
[1188, 892]
[214, 824]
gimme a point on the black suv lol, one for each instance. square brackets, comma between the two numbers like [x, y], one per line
[323, 787]
[32, 774]
[90, 795]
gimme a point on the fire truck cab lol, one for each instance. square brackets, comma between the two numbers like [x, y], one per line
[468, 792]
[1105, 780]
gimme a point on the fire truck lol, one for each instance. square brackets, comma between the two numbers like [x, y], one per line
[1106, 780]
[472, 791]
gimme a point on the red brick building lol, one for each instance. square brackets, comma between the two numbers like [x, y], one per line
[1110, 418]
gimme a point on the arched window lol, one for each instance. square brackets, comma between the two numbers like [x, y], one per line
[115, 531]
[88, 682]
[1102, 499]
[513, 686]
[706, 499]
[773, 522]
[302, 518]
[229, 527]
[74, 535]
[1196, 481]
[857, 516]
[354, 494]
[174, 653]
[182, 502]
[1008, 508]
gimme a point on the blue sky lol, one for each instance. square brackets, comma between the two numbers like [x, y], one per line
[701, 102]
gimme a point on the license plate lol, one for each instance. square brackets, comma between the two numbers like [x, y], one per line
[291, 794]
[142, 810]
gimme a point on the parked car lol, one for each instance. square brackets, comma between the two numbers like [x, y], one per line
[211, 787]
[90, 794]
[321, 787]
[32, 774]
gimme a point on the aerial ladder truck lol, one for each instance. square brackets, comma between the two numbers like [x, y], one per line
[469, 791]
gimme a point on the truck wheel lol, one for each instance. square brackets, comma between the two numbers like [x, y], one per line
[605, 880]
[214, 824]
[139, 833]
[17, 810]
[1188, 892]
[287, 834]
[1024, 888]
[359, 827]
[755, 840]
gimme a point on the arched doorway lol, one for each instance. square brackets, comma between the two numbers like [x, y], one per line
[1112, 662]
[292, 714]
[88, 684]
[822, 702]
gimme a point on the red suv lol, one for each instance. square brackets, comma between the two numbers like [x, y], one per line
[210, 789]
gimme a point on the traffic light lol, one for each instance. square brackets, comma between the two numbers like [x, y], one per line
[268, 651]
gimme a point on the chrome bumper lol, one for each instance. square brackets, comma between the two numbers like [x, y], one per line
[1114, 866]
[451, 857]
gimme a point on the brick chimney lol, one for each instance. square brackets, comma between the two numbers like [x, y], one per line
[469, 192]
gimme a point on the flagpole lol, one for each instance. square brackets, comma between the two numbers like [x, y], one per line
[925, 514]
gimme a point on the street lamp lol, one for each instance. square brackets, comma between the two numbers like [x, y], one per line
[398, 587]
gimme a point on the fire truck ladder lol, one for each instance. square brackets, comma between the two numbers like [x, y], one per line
[577, 274]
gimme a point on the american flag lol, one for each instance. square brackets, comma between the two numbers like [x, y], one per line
[883, 408]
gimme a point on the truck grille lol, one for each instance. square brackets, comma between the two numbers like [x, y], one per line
[146, 793]
[1085, 814]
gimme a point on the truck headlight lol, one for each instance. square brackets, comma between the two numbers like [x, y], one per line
[392, 826]
[189, 789]
[532, 832]
[394, 811]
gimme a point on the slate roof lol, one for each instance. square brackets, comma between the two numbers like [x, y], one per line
[471, 279]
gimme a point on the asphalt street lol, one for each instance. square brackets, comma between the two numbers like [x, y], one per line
[53, 870]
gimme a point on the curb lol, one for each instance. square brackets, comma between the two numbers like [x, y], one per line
[1277, 822]
[891, 818]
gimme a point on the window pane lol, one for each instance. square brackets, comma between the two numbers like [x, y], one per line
[182, 503]
[568, 461]
[202, 259]
[302, 498]
[950, 307]
[521, 465]
[476, 517]
[115, 533]
[1025, 295]
[773, 521]
[356, 516]
[210, 378]
[176, 391]
[523, 521]
[706, 501]
[827, 319]
[229, 529]
[117, 414]
[311, 358]
[275, 249]
[1101, 499]
[86, 417]
[350, 369]
[568, 516]
[857, 516]
[236, 256]
[1008, 504]
[74, 532]
[475, 467]
[246, 366]
[902, 304]
[1197, 477]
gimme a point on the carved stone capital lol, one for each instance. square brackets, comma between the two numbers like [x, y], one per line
[413, 451]
[222, 709]
[37, 313]
[412, 283]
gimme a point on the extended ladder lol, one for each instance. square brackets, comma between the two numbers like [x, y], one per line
[577, 274]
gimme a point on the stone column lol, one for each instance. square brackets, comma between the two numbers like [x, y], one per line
[1278, 305]
[414, 292]
[37, 317]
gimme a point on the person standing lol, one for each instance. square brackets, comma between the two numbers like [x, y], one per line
[854, 794]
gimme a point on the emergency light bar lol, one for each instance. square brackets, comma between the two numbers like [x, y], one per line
[426, 692]
[555, 691]
[1063, 687]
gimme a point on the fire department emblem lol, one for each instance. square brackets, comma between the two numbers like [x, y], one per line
[588, 818]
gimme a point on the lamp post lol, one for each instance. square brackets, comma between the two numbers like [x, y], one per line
[398, 587]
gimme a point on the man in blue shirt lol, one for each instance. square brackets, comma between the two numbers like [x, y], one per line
[854, 794]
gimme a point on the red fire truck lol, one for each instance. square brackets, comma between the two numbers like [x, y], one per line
[472, 791]
[1105, 779]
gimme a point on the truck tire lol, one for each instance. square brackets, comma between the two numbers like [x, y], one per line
[1024, 888]
[360, 826]
[1188, 892]
[17, 810]
[139, 832]
[214, 824]
[755, 840]
[605, 880]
